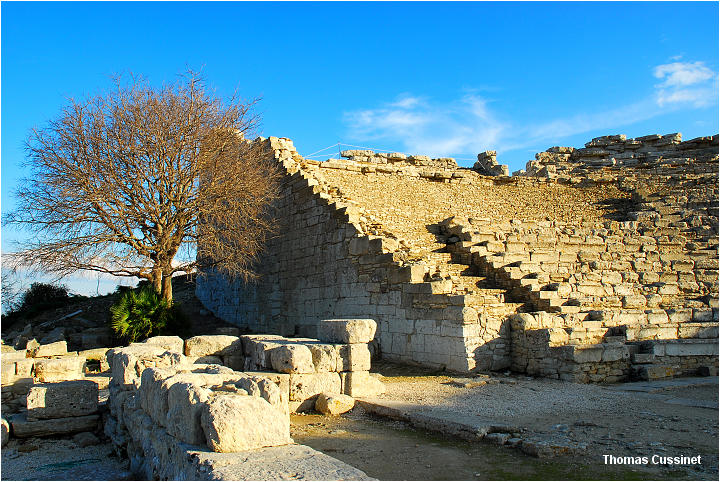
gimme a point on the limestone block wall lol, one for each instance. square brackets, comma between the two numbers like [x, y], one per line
[330, 260]
[619, 235]
[167, 408]
[46, 363]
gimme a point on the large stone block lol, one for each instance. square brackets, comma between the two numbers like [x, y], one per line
[154, 393]
[325, 357]
[170, 343]
[128, 363]
[354, 358]
[74, 398]
[51, 349]
[361, 384]
[184, 402]
[233, 423]
[306, 386]
[292, 359]
[59, 369]
[22, 428]
[217, 345]
[347, 331]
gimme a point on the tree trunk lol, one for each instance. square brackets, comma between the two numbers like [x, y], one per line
[167, 293]
[157, 280]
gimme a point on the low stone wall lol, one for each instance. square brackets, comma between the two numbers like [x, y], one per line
[172, 400]
[47, 363]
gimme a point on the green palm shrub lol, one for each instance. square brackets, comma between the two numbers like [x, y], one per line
[142, 313]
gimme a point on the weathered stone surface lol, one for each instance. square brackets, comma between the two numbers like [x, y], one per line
[64, 399]
[334, 403]
[325, 357]
[22, 428]
[153, 392]
[170, 343]
[59, 369]
[305, 386]
[292, 359]
[233, 423]
[51, 349]
[128, 363]
[185, 401]
[347, 330]
[354, 358]
[217, 345]
[361, 384]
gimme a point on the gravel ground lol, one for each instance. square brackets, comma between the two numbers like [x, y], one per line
[60, 459]
[622, 420]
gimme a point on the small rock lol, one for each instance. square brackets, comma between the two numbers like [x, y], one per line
[86, 439]
[513, 442]
[561, 427]
[498, 438]
[334, 403]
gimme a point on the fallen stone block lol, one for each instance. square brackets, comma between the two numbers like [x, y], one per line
[217, 345]
[51, 349]
[334, 403]
[233, 423]
[170, 343]
[292, 359]
[361, 384]
[347, 331]
[64, 399]
[22, 428]
[59, 369]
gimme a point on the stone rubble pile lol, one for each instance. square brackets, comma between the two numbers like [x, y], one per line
[487, 165]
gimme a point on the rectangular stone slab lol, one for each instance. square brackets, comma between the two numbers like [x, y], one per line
[22, 428]
[73, 398]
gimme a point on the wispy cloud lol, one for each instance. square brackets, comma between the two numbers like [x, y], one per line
[468, 125]
[424, 126]
[689, 83]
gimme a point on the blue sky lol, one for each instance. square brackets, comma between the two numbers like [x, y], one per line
[444, 79]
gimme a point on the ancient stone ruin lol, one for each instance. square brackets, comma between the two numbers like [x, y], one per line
[183, 409]
[594, 265]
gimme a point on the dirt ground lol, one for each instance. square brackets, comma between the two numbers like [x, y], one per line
[666, 419]
[60, 459]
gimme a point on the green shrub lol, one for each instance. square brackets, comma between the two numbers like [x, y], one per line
[142, 313]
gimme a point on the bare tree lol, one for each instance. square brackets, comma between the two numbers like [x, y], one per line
[121, 182]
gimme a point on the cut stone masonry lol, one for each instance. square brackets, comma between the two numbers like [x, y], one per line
[613, 243]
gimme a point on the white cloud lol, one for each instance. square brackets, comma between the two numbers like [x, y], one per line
[468, 125]
[685, 83]
[423, 126]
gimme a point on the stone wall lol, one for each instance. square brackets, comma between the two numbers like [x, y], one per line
[622, 233]
[174, 407]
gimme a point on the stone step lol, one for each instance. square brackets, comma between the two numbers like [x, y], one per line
[648, 371]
